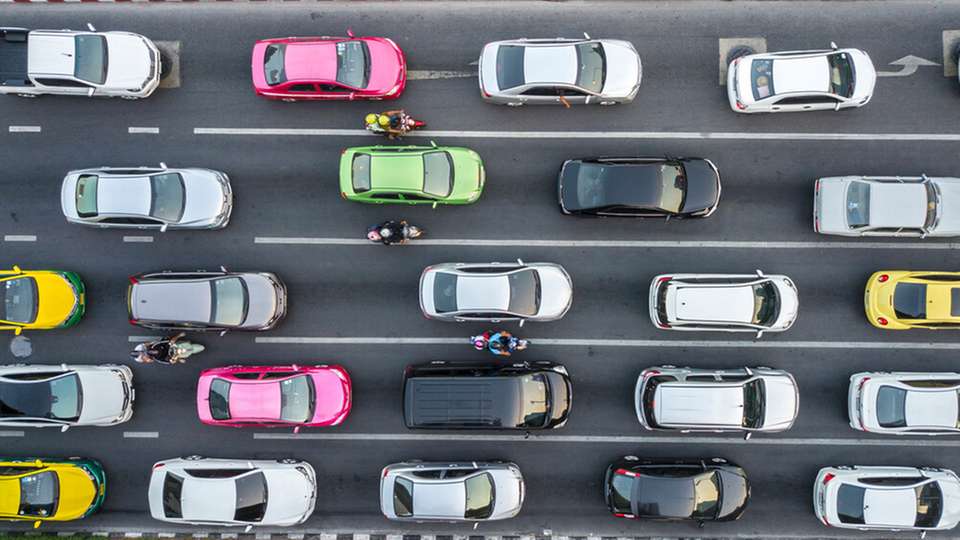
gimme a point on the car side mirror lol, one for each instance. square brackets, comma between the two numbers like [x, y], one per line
[434, 205]
[837, 106]
[90, 92]
[223, 333]
[747, 436]
[248, 528]
[163, 165]
[163, 228]
[700, 524]
[759, 272]
[64, 428]
[521, 322]
[759, 334]
[17, 269]
[350, 32]
[296, 430]
[833, 45]
[352, 95]
[17, 331]
[36, 524]
[91, 27]
[586, 35]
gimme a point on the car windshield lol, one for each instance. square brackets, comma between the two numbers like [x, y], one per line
[766, 303]
[510, 66]
[229, 301]
[167, 199]
[621, 493]
[353, 64]
[535, 400]
[220, 399]
[479, 497]
[892, 407]
[673, 185]
[91, 61]
[273, 66]
[86, 197]
[933, 206]
[910, 300]
[858, 205]
[251, 497]
[929, 504]
[39, 494]
[360, 173]
[445, 292]
[706, 496]
[437, 174]
[761, 78]
[172, 488]
[59, 398]
[20, 300]
[524, 292]
[592, 66]
[850, 504]
[403, 497]
[297, 399]
[754, 400]
[841, 74]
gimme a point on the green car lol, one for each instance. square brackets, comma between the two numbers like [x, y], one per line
[411, 175]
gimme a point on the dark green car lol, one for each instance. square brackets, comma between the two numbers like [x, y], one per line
[411, 175]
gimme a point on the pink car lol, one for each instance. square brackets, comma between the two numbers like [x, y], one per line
[324, 68]
[272, 396]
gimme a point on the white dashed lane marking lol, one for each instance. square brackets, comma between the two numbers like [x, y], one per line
[138, 239]
[147, 130]
[24, 129]
[141, 434]
[19, 238]
[8, 433]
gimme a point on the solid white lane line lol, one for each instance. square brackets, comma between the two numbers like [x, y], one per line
[141, 434]
[667, 244]
[667, 343]
[691, 135]
[9, 433]
[138, 239]
[24, 129]
[149, 130]
[19, 238]
[611, 439]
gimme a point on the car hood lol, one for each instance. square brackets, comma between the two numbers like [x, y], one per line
[387, 68]
[736, 494]
[57, 298]
[556, 292]
[789, 303]
[128, 66]
[866, 74]
[291, 496]
[703, 185]
[68, 195]
[509, 494]
[264, 301]
[102, 396]
[951, 504]
[488, 67]
[332, 396]
[623, 69]
[831, 206]
[468, 176]
[204, 194]
[77, 493]
[949, 223]
[780, 404]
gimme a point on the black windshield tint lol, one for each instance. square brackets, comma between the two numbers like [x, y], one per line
[172, 488]
[706, 496]
[591, 62]
[841, 74]
[858, 205]
[754, 401]
[510, 66]
[673, 186]
[90, 63]
[524, 292]
[850, 504]
[59, 398]
[273, 66]
[403, 497]
[929, 505]
[220, 399]
[167, 200]
[621, 492]
[479, 497]
[535, 400]
[296, 399]
[892, 407]
[251, 497]
[39, 494]
[910, 300]
[20, 300]
[445, 292]
[766, 304]
[353, 64]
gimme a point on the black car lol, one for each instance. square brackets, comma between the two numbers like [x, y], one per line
[697, 490]
[639, 187]
[446, 395]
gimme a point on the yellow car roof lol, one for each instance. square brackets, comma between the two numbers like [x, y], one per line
[939, 302]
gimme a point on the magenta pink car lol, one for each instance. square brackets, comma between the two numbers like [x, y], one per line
[274, 396]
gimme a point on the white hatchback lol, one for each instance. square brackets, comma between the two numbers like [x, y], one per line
[904, 403]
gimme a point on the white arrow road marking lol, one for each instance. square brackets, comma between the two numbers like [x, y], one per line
[418, 75]
[910, 64]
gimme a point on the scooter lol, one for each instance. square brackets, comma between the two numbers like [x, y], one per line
[407, 232]
[165, 351]
[498, 343]
[407, 124]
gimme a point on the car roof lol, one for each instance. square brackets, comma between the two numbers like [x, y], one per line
[478, 292]
[172, 300]
[400, 171]
[719, 303]
[51, 53]
[801, 74]
[310, 61]
[439, 499]
[704, 404]
[897, 205]
[208, 499]
[550, 64]
[255, 399]
[634, 184]
[665, 496]
[939, 407]
[124, 195]
[890, 506]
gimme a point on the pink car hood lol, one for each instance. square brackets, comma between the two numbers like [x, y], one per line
[332, 397]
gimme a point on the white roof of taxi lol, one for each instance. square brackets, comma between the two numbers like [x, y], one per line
[804, 74]
[721, 303]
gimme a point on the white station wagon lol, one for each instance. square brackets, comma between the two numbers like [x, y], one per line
[903, 403]
[796, 81]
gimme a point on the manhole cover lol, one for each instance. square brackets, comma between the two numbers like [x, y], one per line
[21, 347]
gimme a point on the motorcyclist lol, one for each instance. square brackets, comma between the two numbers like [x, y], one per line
[372, 122]
[165, 351]
[389, 232]
[499, 343]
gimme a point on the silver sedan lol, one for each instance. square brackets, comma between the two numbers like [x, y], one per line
[147, 198]
[904, 403]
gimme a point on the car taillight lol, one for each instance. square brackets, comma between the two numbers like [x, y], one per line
[816, 224]
[625, 472]
[741, 106]
[133, 280]
[628, 516]
[157, 466]
[816, 187]
[385, 473]
[651, 373]
[133, 321]
[864, 381]
[828, 477]
[484, 92]
[881, 321]
[882, 278]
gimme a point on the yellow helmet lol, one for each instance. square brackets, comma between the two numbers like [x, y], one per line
[384, 120]
[370, 118]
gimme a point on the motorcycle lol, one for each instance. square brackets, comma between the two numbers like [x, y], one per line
[499, 343]
[399, 123]
[393, 232]
[165, 351]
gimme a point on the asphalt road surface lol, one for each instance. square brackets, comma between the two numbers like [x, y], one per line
[290, 220]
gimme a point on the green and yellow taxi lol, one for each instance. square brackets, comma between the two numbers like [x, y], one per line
[411, 175]
[40, 299]
[38, 490]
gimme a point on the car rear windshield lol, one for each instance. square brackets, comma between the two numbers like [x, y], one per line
[59, 398]
[761, 79]
[754, 402]
[437, 174]
[766, 303]
[591, 62]
[172, 488]
[858, 205]
[251, 497]
[296, 399]
[403, 497]
[445, 292]
[20, 300]
[673, 187]
[353, 64]
[706, 495]
[892, 407]
[480, 495]
[39, 494]
[273, 66]
[91, 61]
[929, 505]
[86, 198]
[535, 400]
[850, 504]
[910, 300]
[841, 74]
[220, 399]
[524, 292]
[510, 66]
[360, 173]
[167, 199]
[230, 301]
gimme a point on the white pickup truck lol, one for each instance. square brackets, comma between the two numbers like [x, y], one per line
[77, 63]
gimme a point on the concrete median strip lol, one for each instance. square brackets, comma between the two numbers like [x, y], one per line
[659, 244]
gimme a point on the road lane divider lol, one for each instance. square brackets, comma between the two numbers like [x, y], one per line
[136, 239]
[651, 343]
[11, 433]
[665, 244]
[141, 434]
[609, 439]
[24, 129]
[143, 130]
[20, 238]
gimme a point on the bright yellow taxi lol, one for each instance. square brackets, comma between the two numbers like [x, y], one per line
[37, 490]
[40, 299]
[901, 299]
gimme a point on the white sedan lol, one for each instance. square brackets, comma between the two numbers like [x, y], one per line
[887, 498]
[903, 403]
[796, 81]
[232, 492]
